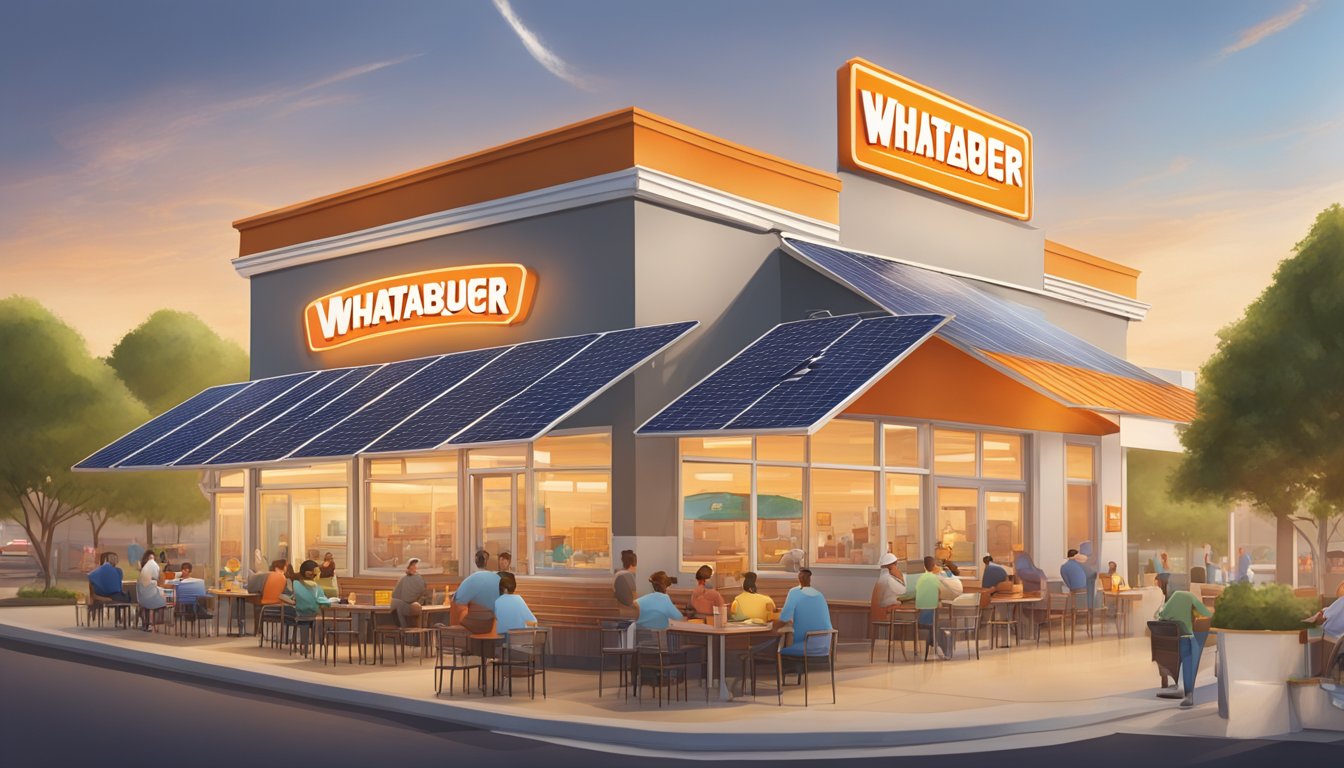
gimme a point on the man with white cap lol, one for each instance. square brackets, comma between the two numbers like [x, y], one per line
[890, 581]
[409, 593]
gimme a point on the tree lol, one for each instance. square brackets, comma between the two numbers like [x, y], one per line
[164, 361]
[58, 404]
[172, 356]
[1270, 423]
[1155, 515]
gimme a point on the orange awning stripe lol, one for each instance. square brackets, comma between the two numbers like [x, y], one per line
[1102, 391]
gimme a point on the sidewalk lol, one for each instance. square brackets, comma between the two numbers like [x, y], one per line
[1078, 691]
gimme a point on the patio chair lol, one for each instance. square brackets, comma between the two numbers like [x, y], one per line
[769, 654]
[612, 645]
[270, 625]
[1078, 607]
[896, 625]
[1166, 650]
[964, 620]
[383, 633]
[335, 629]
[523, 654]
[658, 665]
[1053, 607]
[299, 633]
[996, 618]
[811, 658]
[454, 656]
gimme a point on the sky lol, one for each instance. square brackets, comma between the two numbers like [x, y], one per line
[1195, 141]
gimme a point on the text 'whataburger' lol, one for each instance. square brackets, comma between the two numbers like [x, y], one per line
[490, 294]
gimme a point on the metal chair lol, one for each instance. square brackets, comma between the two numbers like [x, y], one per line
[454, 656]
[965, 620]
[382, 634]
[892, 623]
[658, 664]
[999, 617]
[1054, 607]
[270, 625]
[334, 628]
[523, 654]
[809, 659]
[767, 654]
[616, 630]
[1078, 606]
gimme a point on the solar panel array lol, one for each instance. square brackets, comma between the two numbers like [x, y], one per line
[505, 394]
[981, 320]
[796, 376]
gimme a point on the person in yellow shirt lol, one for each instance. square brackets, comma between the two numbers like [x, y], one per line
[751, 604]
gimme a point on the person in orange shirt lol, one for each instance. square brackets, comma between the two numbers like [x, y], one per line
[275, 585]
[705, 598]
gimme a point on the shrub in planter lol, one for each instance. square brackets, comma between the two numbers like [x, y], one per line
[1269, 607]
[31, 593]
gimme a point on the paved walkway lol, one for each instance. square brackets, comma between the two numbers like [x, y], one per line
[1089, 689]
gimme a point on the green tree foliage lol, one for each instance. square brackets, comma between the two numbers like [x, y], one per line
[1270, 423]
[1155, 515]
[58, 404]
[172, 356]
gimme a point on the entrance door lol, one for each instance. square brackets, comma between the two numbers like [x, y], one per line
[957, 525]
[495, 497]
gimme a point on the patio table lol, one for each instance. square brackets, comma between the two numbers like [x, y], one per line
[234, 599]
[712, 633]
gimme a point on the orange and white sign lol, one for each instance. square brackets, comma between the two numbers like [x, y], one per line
[483, 294]
[897, 128]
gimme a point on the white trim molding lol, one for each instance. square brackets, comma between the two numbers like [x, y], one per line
[1096, 298]
[638, 182]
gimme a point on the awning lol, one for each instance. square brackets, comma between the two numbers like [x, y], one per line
[721, 507]
[1009, 337]
[499, 395]
[795, 377]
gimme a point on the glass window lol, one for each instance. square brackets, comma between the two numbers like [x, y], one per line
[779, 514]
[1080, 465]
[903, 517]
[844, 516]
[228, 535]
[845, 441]
[715, 513]
[413, 520]
[317, 473]
[426, 465]
[230, 479]
[573, 527]
[588, 450]
[1001, 456]
[1003, 526]
[954, 452]
[791, 448]
[521, 553]
[304, 524]
[498, 456]
[728, 447]
[1078, 518]
[385, 468]
[901, 444]
[957, 524]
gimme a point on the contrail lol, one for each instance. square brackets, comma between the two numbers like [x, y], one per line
[553, 63]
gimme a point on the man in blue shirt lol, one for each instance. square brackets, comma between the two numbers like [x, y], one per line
[806, 609]
[994, 575]
[105, 580]
[478, 592]
[1072, 572]
[1243, 565]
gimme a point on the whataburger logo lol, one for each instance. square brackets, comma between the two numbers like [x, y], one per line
[483, 294]
[897, 128]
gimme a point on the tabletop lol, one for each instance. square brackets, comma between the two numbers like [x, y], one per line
[731, 628]
[230, 593]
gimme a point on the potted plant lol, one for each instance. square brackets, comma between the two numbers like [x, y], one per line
[1261, 637]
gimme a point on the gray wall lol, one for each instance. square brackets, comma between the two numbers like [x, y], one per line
[1101, 328]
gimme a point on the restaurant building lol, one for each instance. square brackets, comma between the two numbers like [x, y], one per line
[825, 366]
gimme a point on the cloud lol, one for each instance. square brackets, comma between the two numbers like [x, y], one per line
[544, 56]
[1254, 35]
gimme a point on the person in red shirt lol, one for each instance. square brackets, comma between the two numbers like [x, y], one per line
[705, 598]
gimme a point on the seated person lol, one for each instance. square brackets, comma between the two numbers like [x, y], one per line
[326, 576]
[1072, 572]
[191, 596]
[792, 560]
[1181, 607]
[511, 611]
[276, 583]
[1033, 579]
[105, 580]
[624, 584]
[949, 584]
[410, 595]
[751, 605]
[805, 609]
[477, 595]
[890, 585]
[996, 576]
[704, 598]
[306, 598]
[1113, 578]
[1332, 617]
[656, 609]
[1089, 564]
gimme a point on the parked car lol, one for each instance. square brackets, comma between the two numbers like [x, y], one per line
[17, 548]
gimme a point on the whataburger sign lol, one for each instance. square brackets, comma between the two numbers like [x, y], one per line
[483, 294]
[900, 129]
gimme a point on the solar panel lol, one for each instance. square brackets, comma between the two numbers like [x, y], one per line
[838, 374]
[296, 427]
[982, 320]
[564, 390]
[418, 390]
[727, 392]
[195, 432]
[160, 425]
[504, 377]
[262, 416]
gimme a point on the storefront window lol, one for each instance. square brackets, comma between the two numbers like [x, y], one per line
[844, 441]
[573, 520]
[784, 448]
[901, 444]
[497, 456]
[954, 452]
[844, 516]
[336, 472]
[303, 524]
[779, 514]
[229, 518]
[231, 479]
[957, 525]
[1081, 496]
[412, 519]
[1003, 526]
[1002, 456]
[903, 517]
[1080, 462]
[715, 512]
[591, 449]
[729, 447]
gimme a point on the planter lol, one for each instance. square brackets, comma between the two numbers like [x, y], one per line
[1312, 707]
[1253, 671]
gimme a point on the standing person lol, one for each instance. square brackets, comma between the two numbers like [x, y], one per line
[1180, 608]
[750, 604]
[705, 598]
[1090, 571]
[1072, 572]
[147, 591]
[475, 598]
[1163, 572]
[890, 582]
[624, 585]
[410, 594]
[283, 546]
[805, 609]
[995, 577]
[106, 580]
[1243, 565]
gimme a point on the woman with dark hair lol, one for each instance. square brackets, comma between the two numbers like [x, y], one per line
[704, 598]
[306, 597]
[656, 608]
[147, 591]
[624, 583]
[751, 605]
[511, 611]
